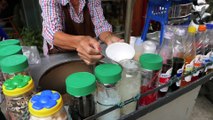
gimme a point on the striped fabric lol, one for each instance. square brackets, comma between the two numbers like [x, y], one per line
[53, 18]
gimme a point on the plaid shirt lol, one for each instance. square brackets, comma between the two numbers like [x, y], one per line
[54, 19]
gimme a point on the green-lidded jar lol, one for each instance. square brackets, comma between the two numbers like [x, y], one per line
[81, 87]
[5, 52]
[10, 50]
[9, 42]
[151, 65]
[14, 65]
[47, 105]
[107, 95]
[18, 91]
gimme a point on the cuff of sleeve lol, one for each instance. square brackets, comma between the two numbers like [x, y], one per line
[106, 28]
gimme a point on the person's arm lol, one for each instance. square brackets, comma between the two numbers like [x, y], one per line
[87, 47]
[102, 28]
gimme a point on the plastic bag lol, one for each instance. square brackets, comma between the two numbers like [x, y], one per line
[31, 52]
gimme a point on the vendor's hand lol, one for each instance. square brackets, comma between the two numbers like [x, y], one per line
[113, 39]
[109, 38]
[88, 50]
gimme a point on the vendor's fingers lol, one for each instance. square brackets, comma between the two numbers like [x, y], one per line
[90, 45]
[94, 44]
[92, 59]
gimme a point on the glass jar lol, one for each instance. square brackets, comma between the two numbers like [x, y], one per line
[47, 105]
[107, 94]
[18, 91]
[5, 52]
[151, 65]
[14, 65]
[130, 84]
[9, 42]
[81, 87]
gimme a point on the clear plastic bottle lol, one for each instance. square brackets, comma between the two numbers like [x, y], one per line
[151, 65]
[107, 94]
[18, 91]
[210, 46]
[47, 105]
[178, 57]
[166, 52]
[200, 51]
[189, 56]
[81, 87]
[14, 65]
[129, 86]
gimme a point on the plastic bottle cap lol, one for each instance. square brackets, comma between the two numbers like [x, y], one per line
[180, 32]
[151, 61]
[14, 63]
[202, 28]
[10, 50]
[80, 84]
[18, 85]
[9, 42]
[191, 29]
[45, 103]
[108, 73]
[209, 26]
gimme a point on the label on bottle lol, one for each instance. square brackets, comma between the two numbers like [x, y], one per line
[210, 56]
[164, 78]
[205, 60]
[188, 68]
[179, 74]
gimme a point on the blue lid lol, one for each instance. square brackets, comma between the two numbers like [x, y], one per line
[47, 99]
[209, 26]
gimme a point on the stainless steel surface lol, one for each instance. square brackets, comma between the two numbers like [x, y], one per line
[128, 22]
[49, 62]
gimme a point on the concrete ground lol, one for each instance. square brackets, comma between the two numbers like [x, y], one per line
[203, 109]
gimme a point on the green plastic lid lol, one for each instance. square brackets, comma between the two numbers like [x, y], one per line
[18, 81]
[10, 50]
[108, 73]
[14, 63]
[80, 84]
[9, 42]
[151, 61]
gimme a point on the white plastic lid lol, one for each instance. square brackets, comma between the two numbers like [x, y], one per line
[149, 47]
[180, 32]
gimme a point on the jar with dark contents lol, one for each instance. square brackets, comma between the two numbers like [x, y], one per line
[14, 65]
[107, 94]
[5, 52]
[47, 105]
[18, 91]
[151, 65]
[81, 86]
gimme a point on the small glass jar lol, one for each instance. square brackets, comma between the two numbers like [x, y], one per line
[151, 65]
[81, 87]
[9, 42]
[5, 52]
[107, 94]
[18, 91]
[47, 105]
[130, 84]
[14, 65]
